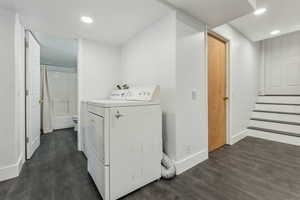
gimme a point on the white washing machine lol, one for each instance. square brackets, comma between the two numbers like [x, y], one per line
[124, 141]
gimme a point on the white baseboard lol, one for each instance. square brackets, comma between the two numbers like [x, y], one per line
[275, 137]
[191, 161]
[21, 162]
[238, 137]
[12, 171]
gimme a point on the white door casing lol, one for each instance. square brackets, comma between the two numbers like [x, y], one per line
[33, 107]
[282, 65]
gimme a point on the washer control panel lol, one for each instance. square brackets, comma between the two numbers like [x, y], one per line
[119, 94]
[136, 93]
[141, 93]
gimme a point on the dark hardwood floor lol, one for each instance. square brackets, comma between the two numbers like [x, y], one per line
[253, 169]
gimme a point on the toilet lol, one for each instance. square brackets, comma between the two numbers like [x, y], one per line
[75, 120]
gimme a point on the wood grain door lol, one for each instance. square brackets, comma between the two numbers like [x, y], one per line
[216, 93]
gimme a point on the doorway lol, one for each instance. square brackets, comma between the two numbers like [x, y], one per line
[217, 89]
[51, 89]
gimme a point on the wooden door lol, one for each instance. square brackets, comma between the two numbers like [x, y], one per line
[216, 93]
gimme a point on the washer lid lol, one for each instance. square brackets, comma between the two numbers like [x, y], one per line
[108, 103]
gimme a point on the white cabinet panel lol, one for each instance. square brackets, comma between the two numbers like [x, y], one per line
[282, 65]
[99, 173]
[135, 148]
[152, 145]
[96, 135]
[125, 151]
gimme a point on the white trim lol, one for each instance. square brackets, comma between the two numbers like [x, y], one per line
[228, 94]
[12, 171]
[79, 100]
[21, 162]
[31, 147]
[9, 172]
[190, 161]
[62, 69]
[238, 137]
[274, 137]
[206, 84]
[262, 83]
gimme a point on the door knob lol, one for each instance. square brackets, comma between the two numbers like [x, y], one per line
[118, 115]
[226, 98]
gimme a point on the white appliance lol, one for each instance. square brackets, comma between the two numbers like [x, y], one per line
[124, 141]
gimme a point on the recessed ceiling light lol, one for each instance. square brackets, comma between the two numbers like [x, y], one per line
[275, 32]
[87, 20]
[260, 11]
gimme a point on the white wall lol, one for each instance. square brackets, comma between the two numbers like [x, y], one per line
[98, 71]
[171, 53]
[57, 51]
[149, 58]
[11, 87]
[20, 90]
[191, 113]
[7, 135]
[244, 79]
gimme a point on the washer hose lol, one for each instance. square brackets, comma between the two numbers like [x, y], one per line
[168, 169]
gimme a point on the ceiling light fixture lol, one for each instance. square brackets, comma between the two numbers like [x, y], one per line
[260, 11]
[87, 20]
[275, 32]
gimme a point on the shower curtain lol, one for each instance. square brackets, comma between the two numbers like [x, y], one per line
[47, 109]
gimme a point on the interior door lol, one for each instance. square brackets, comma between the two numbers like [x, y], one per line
[282, 65]
[216, 93]
[33, 107]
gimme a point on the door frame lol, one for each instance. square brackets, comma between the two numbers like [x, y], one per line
[227, 74]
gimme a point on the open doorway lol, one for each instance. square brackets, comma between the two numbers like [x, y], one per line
[51, 88]
[217, 92]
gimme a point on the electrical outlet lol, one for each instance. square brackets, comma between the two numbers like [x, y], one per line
[194, 95]
[188, 150]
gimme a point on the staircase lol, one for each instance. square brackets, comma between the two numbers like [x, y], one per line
[276, 118]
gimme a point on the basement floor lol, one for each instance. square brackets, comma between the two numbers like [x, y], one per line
[253, 169]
